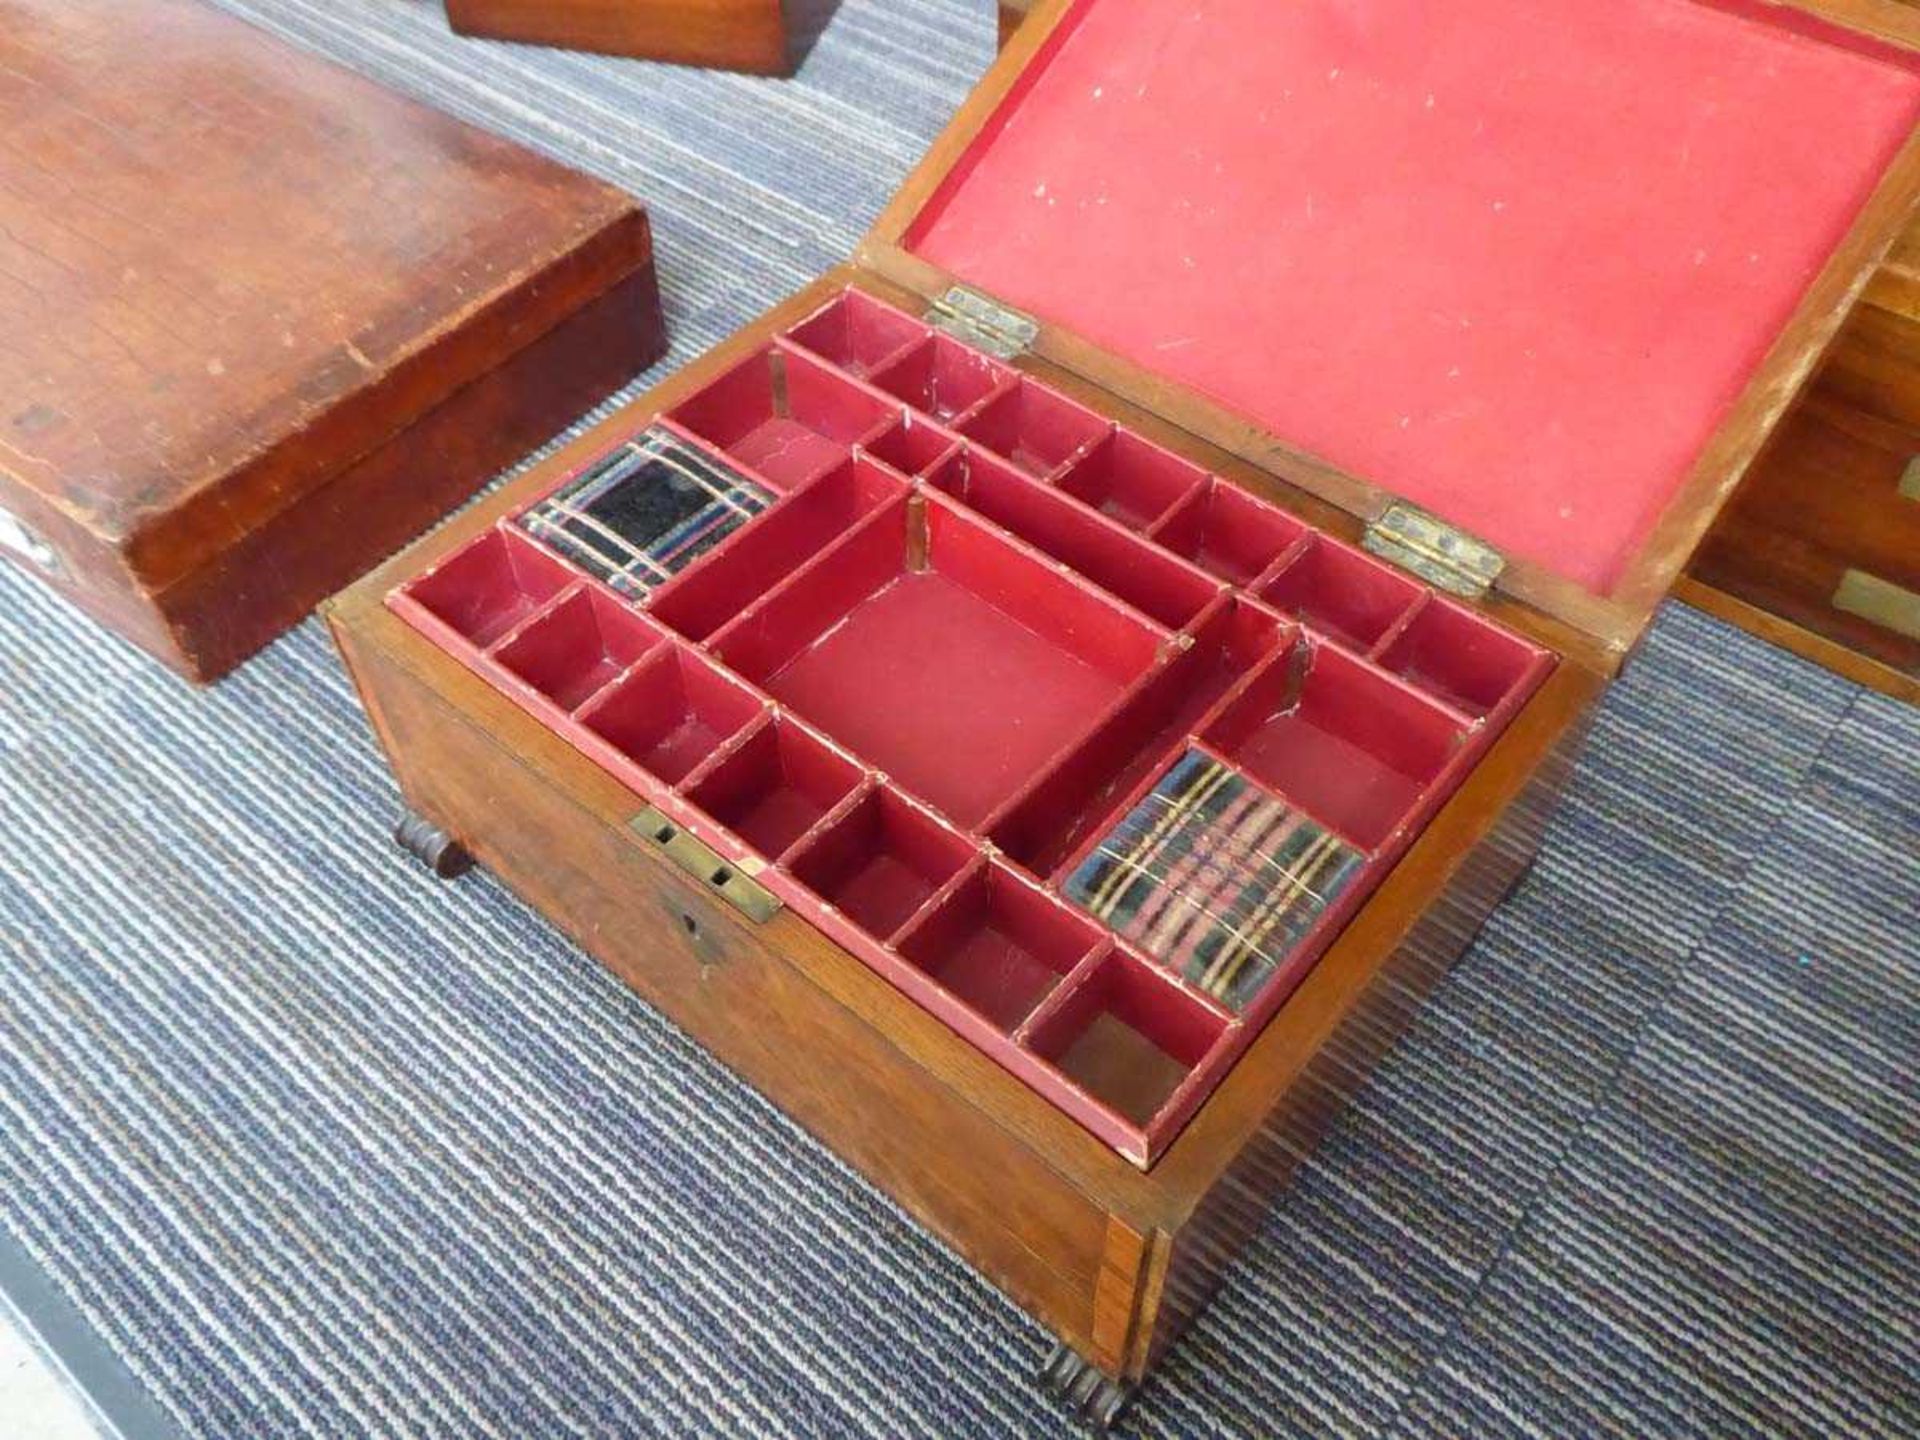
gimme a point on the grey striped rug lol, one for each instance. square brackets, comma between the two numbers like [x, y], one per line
[322, 1148]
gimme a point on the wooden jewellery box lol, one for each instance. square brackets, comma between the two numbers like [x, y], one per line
[750, 35]
[266, 321]
[1045, 703]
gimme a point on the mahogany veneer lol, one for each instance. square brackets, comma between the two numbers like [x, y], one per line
[267, 320]
[750, 35]
[839, 773]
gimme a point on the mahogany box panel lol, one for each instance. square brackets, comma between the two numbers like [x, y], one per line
[1819, 550]
[750, 35]
[267, 321]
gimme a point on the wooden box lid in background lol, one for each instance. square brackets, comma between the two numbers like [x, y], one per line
[1556, 299]
[247, 293]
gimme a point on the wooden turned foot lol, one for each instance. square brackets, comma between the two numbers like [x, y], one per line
[1088, 1395]
[445, 856]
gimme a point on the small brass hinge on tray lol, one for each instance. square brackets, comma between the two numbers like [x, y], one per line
[707, 865]
[1445, 557]
[983, 323]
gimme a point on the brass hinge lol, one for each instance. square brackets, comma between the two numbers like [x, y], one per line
[983, 323]
[1910, 480]
[1437, 552]
[707, 865]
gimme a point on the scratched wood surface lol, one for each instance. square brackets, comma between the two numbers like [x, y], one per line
[230, 271]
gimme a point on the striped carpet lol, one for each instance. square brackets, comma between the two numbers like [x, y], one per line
[322, 1148]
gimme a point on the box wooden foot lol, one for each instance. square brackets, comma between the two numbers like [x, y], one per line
[1088, 1394]
[445, 856]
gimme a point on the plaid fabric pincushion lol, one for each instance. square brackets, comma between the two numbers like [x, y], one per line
[638, 517]
[1214, 878]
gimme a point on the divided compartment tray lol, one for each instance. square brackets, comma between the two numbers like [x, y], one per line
[938, 683]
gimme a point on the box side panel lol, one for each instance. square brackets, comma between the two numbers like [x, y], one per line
[741, 990]
[259, 587]
[750, 35]
[1233, 1208]
[1820, 549]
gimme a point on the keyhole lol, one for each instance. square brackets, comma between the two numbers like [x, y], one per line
[691, 925]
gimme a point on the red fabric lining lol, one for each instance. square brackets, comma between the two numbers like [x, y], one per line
[1511, 259]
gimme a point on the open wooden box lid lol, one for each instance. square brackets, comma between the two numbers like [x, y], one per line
[1546, 271]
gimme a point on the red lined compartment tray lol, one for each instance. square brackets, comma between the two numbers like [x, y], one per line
[1086, 750]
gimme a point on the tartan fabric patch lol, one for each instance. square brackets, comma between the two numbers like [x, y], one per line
[638, 517]
[1214, 878]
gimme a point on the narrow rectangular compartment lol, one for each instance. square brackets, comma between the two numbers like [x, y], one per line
[998, 944]
[912, 445]
[857, 332]
[1127, 1036]
[704, 597]
[785, 415]
[1351, 746]
[1133, 481]
[669, 714]
[1034, 428]
[881, 861]
[489, 586]
[1227, 532]
[940, 654]
[943, 378]
[775, 786]
[576, 647]
[1051, 819]
[1467, 661]
[1341, 592]
[1138, 573]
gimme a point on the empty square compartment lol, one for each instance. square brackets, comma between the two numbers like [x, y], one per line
[704, 597]
[912, 445]
[1228, 533]
[489, 586]
[671, 713]
[1034, 428]
[1121, 564]
[943, 378]
[1127, 1036]
[1341, 592]
[1062, 809]
[1465, 660]
[775, 787]
[1132, 481]
[999, 945]
[575, 648]
[941, 655]
[881, 861]
[784, 415]
[1352, 747]
[857, 332]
